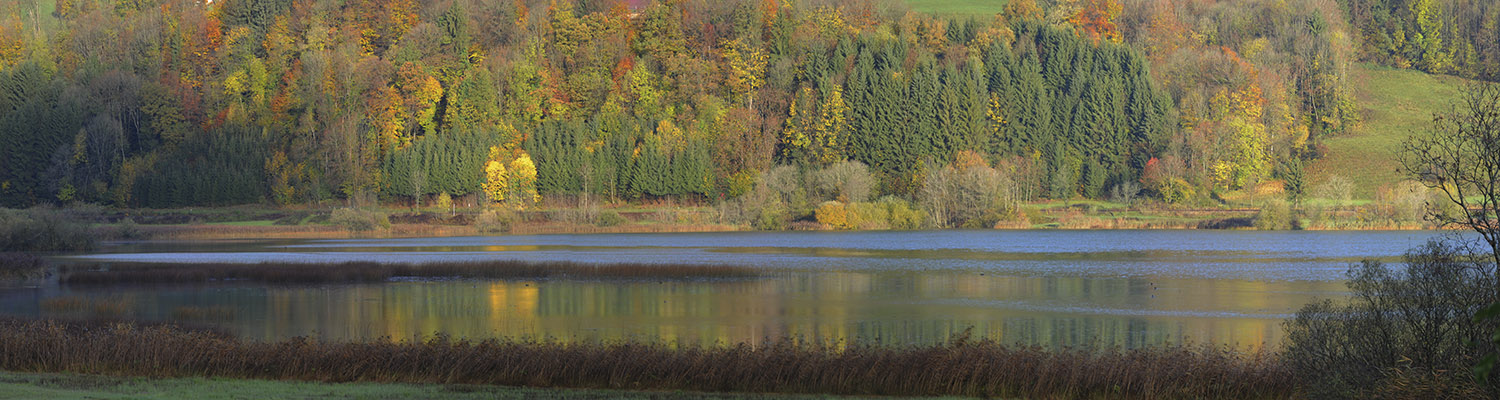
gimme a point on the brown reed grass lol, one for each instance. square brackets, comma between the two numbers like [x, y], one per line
[359, 271]
[961, 367]
[21, 266]
[203, 313]
[96, 307]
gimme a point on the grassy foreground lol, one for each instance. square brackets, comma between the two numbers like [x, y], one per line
[959, 368]
[14, 385]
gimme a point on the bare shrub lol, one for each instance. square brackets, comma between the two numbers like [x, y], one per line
[1336, 189]
[975, 196]
[845, 182]
[1400, 328]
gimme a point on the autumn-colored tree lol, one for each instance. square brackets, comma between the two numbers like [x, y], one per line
[746, 67]
[12, 42]
[816, 132]
[1023, 10]
[1243, 154]
[387, 118]
[496, 178]
[381, 23]
[521, 185]
[1096, 19]
[421, 93]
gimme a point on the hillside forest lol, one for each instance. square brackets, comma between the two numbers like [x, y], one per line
[173, 103]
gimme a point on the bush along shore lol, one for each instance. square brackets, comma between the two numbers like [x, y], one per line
[962, 367]
[361, 272]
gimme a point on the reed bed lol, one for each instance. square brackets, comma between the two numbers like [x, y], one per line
[357, 272]
[21, 266]
[959, 368]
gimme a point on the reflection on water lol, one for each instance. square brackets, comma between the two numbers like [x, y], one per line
[1052, 289]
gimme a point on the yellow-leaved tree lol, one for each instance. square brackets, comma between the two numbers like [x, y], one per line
[512, 182]
[495, 177]
[1242, 138]
[522, 182]
[747, 69]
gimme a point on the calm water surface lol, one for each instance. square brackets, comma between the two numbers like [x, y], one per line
[1052, 288]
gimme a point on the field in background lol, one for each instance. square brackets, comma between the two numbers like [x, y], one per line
[1394, 103]
[958, 7]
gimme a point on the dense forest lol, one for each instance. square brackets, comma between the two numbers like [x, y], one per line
[167, 103]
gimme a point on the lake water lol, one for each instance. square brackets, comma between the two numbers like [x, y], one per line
[1051, 288]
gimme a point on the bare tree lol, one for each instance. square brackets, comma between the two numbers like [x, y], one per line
[1459, 156]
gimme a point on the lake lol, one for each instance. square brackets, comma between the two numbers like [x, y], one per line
[1049, 288]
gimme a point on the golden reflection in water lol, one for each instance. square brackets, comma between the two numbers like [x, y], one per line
[892, 307]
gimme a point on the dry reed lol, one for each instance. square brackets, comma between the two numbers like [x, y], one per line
[961, 367]
[355, 272]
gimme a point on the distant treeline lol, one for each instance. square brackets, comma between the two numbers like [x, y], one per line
[163, 103]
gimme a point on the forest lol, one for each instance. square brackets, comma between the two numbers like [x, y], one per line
[173, 103]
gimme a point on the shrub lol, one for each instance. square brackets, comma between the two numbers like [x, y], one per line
[770, 218]
[494, 221]
[444, 202]
[21, 266]
[1336, 189]
[868, 216]
[967, 197]
[359, 220]
[1175, 191]
[1275, 215]
[42, 229]
[846, 181]
[610, 218]
[290, 220]
[833, 214]
[1400, 329]
[900, 214]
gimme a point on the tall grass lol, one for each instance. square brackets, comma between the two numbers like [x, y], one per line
[21, 266]
[961, 367]
[355, 272]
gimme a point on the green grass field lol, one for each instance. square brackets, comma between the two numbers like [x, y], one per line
[1394, 103]
[958, 7]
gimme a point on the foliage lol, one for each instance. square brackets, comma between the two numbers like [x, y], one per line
[1437, 36]
[359, 220]
[974, 196]
[43, 229]
[1399, 327]
[293, 102]
[610, 218]
[1275, 215]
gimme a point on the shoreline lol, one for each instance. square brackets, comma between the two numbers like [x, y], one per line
[267, 224]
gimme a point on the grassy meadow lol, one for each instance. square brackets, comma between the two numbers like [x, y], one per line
[958, 7]
[1395, 103]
